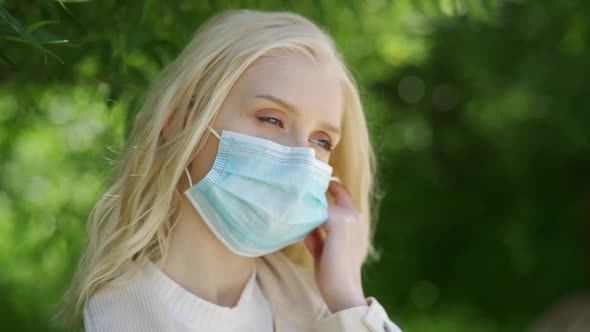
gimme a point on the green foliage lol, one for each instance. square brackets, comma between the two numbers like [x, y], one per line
[13, 30]
[478, 110]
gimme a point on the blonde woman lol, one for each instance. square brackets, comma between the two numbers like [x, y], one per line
[242, 200]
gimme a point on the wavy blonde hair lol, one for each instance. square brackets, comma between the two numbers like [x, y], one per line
[133, 219]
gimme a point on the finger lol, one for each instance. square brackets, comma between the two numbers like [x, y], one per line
[341, 196]
[310, 243]
[335, 213]
[314, 243]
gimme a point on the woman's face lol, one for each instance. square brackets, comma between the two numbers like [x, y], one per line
[286, 98]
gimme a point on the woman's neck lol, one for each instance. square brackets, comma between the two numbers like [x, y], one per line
[201, 264]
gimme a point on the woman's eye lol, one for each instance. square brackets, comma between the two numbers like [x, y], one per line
[327, 145]
[271, 120]
[324, 143]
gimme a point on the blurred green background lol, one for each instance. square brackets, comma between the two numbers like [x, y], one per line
[479, 111]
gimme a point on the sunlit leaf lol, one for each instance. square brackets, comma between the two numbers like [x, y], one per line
[40, 24]
[45, 37]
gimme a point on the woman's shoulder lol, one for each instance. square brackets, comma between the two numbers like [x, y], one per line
[127, 303]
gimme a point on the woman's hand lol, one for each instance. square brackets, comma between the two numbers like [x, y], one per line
[338, 256]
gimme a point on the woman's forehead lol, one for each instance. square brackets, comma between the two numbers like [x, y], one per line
[296, 79]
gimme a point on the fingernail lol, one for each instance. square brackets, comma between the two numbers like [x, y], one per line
[335, 178]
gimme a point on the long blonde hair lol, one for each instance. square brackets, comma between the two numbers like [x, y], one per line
[133, 219]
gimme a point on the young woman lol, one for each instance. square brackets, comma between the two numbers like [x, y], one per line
[222, 214]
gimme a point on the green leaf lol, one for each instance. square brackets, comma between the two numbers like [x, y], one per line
[36, 26]
[18, 27]
[45, 37]
[63, 5]
[71, 0]
[138, 33]
[5, 28]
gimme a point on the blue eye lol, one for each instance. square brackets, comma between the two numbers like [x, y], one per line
[271, 120]
[325, 144]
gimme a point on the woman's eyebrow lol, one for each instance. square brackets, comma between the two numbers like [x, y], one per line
[290, 107]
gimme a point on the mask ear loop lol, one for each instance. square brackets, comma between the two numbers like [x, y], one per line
[214, 132]
[188, 176]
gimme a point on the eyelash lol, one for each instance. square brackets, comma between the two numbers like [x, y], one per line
[327, 146]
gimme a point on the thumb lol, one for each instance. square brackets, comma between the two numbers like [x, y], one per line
[315, 243]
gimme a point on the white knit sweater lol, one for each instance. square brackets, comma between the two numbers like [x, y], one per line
[280, 296]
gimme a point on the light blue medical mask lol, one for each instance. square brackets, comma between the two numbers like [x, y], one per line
[261, 196]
